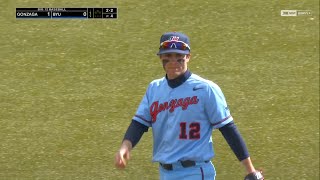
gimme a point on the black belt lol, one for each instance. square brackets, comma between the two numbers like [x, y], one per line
[184, 164]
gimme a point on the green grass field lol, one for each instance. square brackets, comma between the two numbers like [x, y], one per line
[69, 88]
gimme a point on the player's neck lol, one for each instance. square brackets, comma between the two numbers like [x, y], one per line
[173, 83]
[172, 77]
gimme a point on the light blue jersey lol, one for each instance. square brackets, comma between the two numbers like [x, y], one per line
[182, 118]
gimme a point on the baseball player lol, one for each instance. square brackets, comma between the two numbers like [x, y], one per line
[182, 109]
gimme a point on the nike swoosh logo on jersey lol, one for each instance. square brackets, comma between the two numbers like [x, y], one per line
[197, 88]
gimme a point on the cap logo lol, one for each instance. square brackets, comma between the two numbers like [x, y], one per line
[174, 38]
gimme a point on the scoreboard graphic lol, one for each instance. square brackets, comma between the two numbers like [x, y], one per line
[73, 13]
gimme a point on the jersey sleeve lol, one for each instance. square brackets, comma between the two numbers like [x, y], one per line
[216, 107]
[143, 114]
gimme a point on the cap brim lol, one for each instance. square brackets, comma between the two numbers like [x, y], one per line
[166, 51]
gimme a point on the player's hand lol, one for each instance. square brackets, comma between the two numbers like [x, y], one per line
[122, 156]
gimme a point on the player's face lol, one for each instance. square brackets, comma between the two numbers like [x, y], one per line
[174, 64]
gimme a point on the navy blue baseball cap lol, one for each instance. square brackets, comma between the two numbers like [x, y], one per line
[174, 42]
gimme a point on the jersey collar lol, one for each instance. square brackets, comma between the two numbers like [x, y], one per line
[173, 83]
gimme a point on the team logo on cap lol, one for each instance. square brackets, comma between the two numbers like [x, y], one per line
[174, 38]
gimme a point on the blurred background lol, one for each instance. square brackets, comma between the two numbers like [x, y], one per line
[69, 87]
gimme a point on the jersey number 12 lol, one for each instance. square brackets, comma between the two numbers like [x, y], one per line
[194, 130]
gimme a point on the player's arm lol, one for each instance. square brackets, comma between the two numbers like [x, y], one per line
[220, 118]
[232, 135]
[131, 138]
[135, 132]
[139, 124]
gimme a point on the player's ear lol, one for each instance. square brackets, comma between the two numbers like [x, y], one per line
[188, 56]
